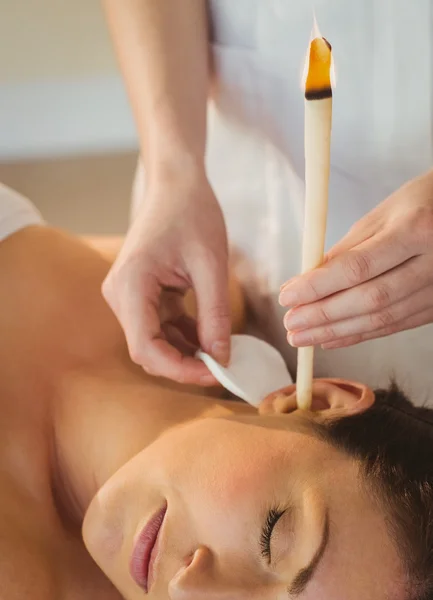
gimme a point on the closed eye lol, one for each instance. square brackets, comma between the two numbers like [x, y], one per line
[274, 515]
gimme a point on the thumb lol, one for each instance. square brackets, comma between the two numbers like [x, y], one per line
[211, 286]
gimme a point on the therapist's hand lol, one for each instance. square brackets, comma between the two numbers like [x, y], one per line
[377, 281]
[177, 241]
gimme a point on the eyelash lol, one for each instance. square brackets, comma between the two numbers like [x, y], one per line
[274, 515]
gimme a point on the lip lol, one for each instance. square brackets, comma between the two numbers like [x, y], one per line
[145, 551]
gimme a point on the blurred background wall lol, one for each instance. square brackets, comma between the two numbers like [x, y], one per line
[67, 138]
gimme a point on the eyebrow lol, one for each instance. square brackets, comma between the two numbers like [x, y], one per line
[305, 575]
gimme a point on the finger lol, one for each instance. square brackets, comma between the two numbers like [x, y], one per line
[210, 282]
[367, 261]
[362, 231]
[418, 320]
[368, 323]
[365, 299]
[139, 317]
[175, 337]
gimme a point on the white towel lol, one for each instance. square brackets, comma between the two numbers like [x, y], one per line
[16, 212]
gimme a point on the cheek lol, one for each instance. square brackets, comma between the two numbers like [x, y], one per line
[241, 465]
[241, 477]
[223, 464]
[254, 469]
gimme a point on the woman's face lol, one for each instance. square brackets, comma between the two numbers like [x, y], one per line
[251, 507]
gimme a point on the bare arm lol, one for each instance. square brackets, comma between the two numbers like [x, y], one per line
[162, 50]
[178, 239]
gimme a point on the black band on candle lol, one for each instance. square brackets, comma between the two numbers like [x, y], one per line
[318, 94]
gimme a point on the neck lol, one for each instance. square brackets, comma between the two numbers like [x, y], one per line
[102, 420]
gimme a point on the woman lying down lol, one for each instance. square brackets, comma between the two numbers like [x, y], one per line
[115, 485]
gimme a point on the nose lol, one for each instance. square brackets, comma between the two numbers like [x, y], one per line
[204, 579]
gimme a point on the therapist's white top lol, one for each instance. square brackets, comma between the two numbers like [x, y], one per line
[382, 136]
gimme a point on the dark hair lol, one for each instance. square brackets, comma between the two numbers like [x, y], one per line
[393, 442]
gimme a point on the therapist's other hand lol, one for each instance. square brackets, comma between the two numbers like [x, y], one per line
[177, 241]
[377, 281]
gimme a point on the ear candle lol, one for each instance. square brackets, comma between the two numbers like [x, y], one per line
[318, 122]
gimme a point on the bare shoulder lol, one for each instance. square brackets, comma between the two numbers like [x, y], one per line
[26, 569]
[109, 246]
[39, 559]
[25, 572]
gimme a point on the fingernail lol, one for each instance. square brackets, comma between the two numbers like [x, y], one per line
[288, 298]
[299, 339]
[221, 352]
[294, 321]
[330, 346]
[288, 282]
[290, 339]
[207, 380]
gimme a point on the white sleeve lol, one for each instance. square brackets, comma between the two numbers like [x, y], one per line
[16, 212]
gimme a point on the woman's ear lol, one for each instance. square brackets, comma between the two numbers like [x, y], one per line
[280, 402]
[331, 397]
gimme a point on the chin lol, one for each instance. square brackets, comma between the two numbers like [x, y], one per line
[105, 535]
[103, 530]
[115, 514]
